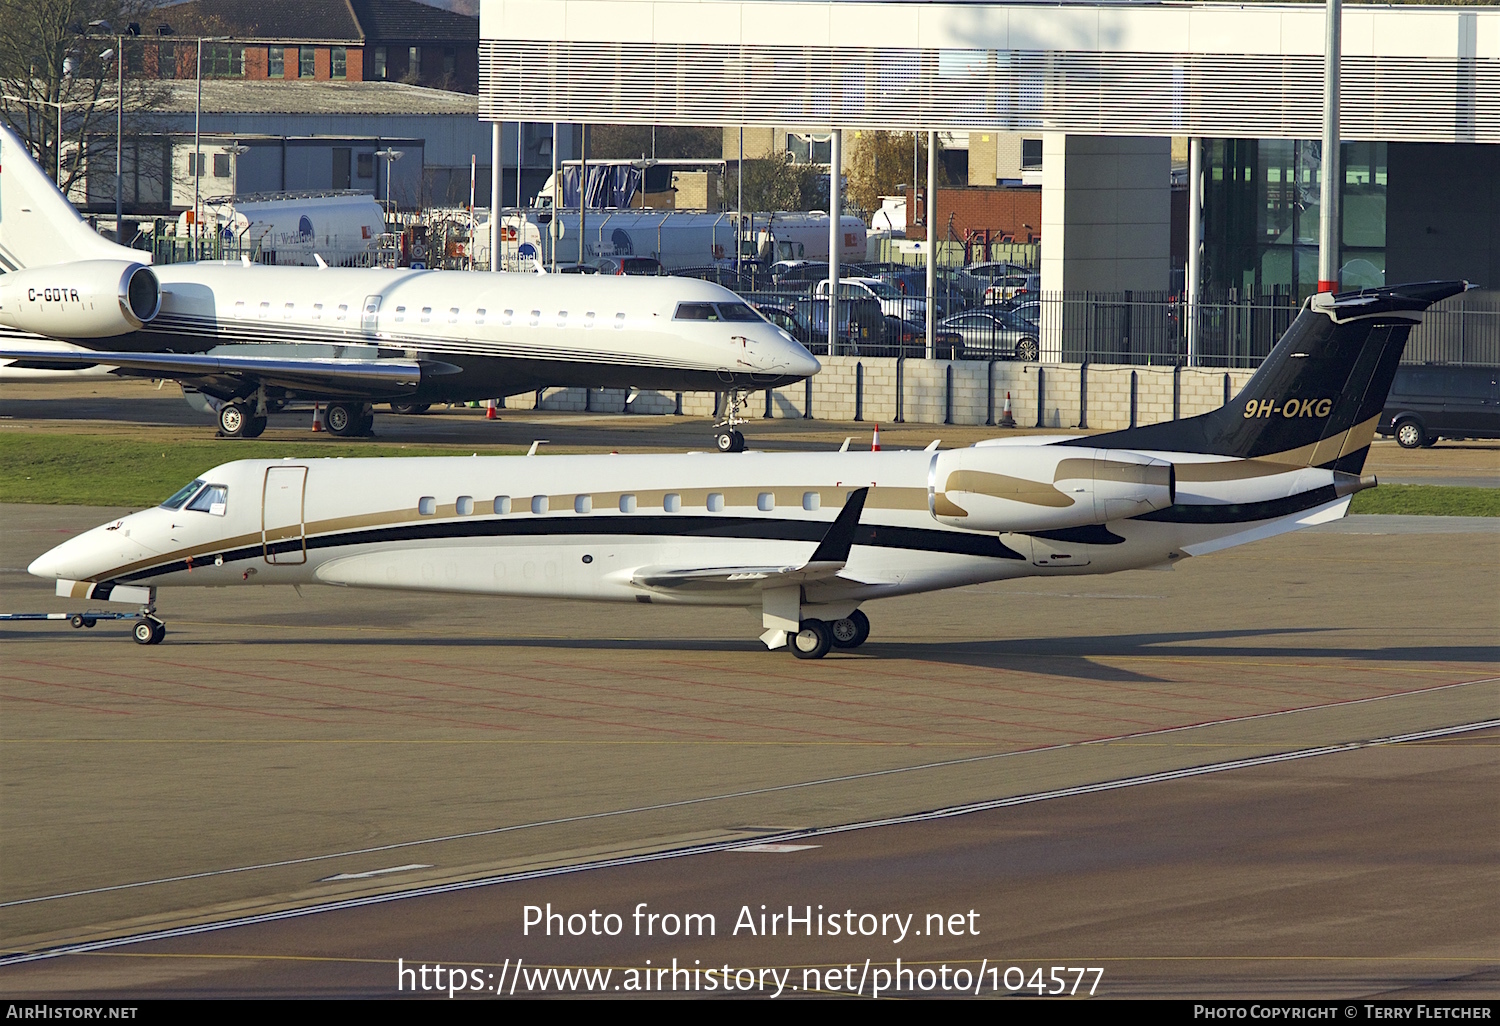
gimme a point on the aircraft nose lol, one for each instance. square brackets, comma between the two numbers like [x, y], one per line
[59, 563]
[802, 364]
[82, 558]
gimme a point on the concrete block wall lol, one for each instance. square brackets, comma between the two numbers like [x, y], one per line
[926, 396]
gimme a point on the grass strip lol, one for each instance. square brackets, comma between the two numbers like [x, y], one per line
[1428, 501]
[97, 470]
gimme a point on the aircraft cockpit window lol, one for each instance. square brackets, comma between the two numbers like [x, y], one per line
[695, 312]
[214, 499]
[182, 495]
[738, 312]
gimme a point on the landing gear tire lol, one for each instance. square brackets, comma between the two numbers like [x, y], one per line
[1028, 351]
[812, 640]
[367, 422]
[343, 419]
[410, 409]
[234, 418]
[730, 441]
[1409, 435]
[254, 427]
[149, 632]
[851, 631]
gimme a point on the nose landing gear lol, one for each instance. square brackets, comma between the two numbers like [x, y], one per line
[149, 631]
[728, 437]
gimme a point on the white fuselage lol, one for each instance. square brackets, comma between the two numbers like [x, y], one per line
[614, 527]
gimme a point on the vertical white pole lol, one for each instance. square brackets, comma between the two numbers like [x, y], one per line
[119, 133]
[1194, 271]
[473, 242]
[197, 151]
[556, 225]
[495, 170]
[1328, 227]
[835, 236]
[520, 134]
[932, 245]
[739, 175]
[583, 191]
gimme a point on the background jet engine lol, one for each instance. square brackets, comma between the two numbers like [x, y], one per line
[84, 299]
[1045, 487]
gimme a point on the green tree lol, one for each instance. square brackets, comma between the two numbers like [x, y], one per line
[880, 161]
[775, 183]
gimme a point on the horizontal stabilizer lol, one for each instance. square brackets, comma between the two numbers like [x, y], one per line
[324, 377]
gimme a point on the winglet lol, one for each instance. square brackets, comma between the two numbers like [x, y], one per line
[834, 548]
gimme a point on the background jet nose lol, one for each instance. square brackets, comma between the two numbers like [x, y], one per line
[46, 565]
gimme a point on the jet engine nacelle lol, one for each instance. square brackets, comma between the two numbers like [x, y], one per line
[84, 299]
[1046, 487]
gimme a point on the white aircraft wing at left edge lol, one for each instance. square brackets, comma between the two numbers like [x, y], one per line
[442, 336]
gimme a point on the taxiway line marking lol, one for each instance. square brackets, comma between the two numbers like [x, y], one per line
[789, 836]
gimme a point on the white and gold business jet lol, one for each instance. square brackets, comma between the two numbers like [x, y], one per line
[806, 538]
[442, 336]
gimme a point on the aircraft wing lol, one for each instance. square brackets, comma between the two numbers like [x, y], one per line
[828, 560]
[227, 376]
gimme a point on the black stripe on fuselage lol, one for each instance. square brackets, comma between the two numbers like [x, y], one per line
[1242, 512]
[738, 528]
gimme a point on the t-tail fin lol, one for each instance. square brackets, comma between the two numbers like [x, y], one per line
[38, 226]
[1317, 398]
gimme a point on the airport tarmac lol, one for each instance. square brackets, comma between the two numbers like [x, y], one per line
[281, 751]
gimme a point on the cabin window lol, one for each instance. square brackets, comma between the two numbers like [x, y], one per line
[588, 319]
[427, 505]
[265, 310]
[502, 505]
[286, 311]
[181, 495]
[506, 316]
[317, 313]
[426, 314]
[811, 501]
[343, 311]
[453, 315]
[627, 503]
[562, 318]
[695, 312]
[538, 504]
[536, 318]
[715, 502]
[671, 502]
[765, 501]
[400, 314]
[583, 504]
[619, 321]
[239, 309]
[479, 316]
[464, 506]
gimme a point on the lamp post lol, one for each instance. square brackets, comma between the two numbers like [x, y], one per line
[390, 156]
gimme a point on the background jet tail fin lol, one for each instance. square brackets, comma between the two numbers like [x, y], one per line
[1317, 398]
[38, 226]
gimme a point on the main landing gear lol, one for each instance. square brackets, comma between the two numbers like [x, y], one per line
[239, 419]
[347, 419]
[817, 637]
[728, 437]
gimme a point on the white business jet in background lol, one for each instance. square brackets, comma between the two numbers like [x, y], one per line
[443, 336]
[805, 538]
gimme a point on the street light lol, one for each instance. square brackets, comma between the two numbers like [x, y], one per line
[390, 156]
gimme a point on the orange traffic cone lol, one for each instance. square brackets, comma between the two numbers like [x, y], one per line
[875, 440]
[489, 410]
[1007, 420]
[317, 417]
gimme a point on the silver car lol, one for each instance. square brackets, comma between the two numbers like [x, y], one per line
[995, 335]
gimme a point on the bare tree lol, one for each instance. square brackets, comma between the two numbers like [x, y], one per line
[58, 76]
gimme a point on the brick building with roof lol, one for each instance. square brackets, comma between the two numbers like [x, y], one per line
[337, 40]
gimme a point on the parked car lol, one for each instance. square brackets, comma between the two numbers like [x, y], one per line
[725, 276]
[577, 269]
[1011, 286]
[909, 338]
[893, 303]
[631, 265]
[995, 334]
[798, 275]
[1428, 403]
[784, 316]
[861, 323]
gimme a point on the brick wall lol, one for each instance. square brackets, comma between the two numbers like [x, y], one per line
[997, 208]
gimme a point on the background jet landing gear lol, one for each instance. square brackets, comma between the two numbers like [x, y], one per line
[812, 640]
[238, 419]
[347, 419]
[727, 436]
[149, 630]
